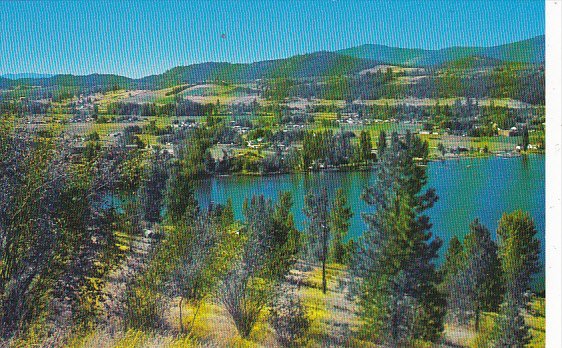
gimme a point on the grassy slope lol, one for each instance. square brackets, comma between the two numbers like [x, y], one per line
[333, 321]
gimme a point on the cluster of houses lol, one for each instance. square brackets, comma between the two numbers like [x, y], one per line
[186, 124]
[241, 129]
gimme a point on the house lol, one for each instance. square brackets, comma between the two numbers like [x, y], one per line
[512, 132]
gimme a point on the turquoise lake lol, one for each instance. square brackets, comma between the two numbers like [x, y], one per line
[468, 188]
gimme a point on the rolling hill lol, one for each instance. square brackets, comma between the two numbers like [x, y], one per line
[25, 76]
[296, 67]
[526, 51]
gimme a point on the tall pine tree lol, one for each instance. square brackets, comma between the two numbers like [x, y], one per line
[339, 221]
[473, 276]
[519, 256]
[399, 298]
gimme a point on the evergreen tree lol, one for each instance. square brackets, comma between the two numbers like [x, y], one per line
[525, 139]
[453, 284]
[519, 256]
[365, 146]
[180, 197]
[442, 149]
[454, 258]
[482, 271]
[153, 188]
[475, 284]
[286, 237]
[339, 221]
[381, 145]
[519, 253]
[399, 298]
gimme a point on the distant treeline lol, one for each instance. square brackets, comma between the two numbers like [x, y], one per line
[183, 108]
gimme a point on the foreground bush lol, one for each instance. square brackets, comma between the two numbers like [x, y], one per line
[290, 322]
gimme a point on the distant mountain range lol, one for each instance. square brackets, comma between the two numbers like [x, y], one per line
[26, 76]
[342, 62]
[526, 51]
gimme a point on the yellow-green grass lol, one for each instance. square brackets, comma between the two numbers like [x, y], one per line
[131, 338]
[537, 322]
[213, 325]
[111, 97]
[148, 139]
[105, 128]
[122, 241]
[320, 308]
[327, 102]
[318, 116]
[160, 121]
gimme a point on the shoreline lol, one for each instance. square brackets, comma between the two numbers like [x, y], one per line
[364, 168]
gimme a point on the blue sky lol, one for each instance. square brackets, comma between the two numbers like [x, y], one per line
[142, 38]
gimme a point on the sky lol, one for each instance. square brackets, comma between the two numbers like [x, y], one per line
[136, 39]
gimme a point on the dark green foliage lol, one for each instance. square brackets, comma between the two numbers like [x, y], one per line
[286, 238]
[454, 258]
[483, 269]
[153, 188]
[91, 150]
[473, 276]
[272, 239]
[327, 149]
[519, 254]
[525, 140]
[365, 147]
[399, 298]
[441, 149]
[454, 284]
[381, 144]
[339, 224]
[180, 197]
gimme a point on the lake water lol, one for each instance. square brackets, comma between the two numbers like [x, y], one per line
[468, 188]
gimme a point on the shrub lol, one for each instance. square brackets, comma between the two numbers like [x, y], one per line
[244, 298]
[290, 321]
[143, 308]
